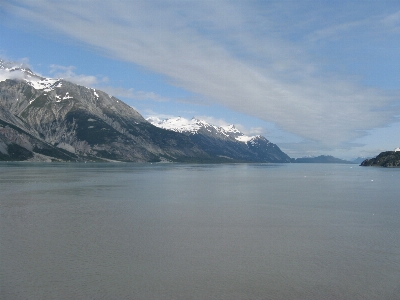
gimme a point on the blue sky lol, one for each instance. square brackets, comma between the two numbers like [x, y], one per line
[314, 77]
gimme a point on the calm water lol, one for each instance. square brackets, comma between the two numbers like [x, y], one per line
[167, 231]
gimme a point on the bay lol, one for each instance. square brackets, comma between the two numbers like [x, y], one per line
[182, 231]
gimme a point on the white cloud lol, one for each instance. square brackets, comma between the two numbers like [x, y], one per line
[230, 53]
[256, 131]
[133, 94]
[67, 73]
[148, 113]
[14, 66]
[392, 22]
[336, 31]
[214, 121]
[10, 75]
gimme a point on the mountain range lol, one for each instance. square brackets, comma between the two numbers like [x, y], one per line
[51, 119]
[322, 159]
[47, 119]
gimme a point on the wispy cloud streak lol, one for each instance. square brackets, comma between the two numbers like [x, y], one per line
[69, 74]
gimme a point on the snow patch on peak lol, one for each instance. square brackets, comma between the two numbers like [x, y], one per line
[178, 124]
[47, 84]
[397, 149]
[244, 138]
[95, 93]
[67, 96]
[154, 120]
[12, 66]
[10, 70]
[194, 125]
[230, 128]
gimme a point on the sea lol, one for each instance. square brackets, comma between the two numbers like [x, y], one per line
[199, 231]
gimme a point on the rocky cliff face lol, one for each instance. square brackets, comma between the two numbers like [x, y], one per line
[56, 120]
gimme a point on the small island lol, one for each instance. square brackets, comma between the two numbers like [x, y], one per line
[388, 159]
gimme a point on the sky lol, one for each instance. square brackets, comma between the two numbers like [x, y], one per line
[314, 77]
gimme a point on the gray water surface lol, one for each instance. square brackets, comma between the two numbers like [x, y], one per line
[172, 231]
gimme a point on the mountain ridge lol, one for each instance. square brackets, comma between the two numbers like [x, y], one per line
[325, 159]
[224, 139]
[56, 120]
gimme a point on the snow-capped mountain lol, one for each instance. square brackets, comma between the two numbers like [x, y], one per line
[53, 119]
[10, 70]
[197, 126]
[179, 124]
[224, 141]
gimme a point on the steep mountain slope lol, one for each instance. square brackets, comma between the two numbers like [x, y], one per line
[226, 141]
[56, 120]
[389, 159]
[39, 114]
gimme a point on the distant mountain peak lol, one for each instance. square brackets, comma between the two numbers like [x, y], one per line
[194, 126]
[12, 70]
[4, 64]
[230, 128]
[178, 124]
[224, 141]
